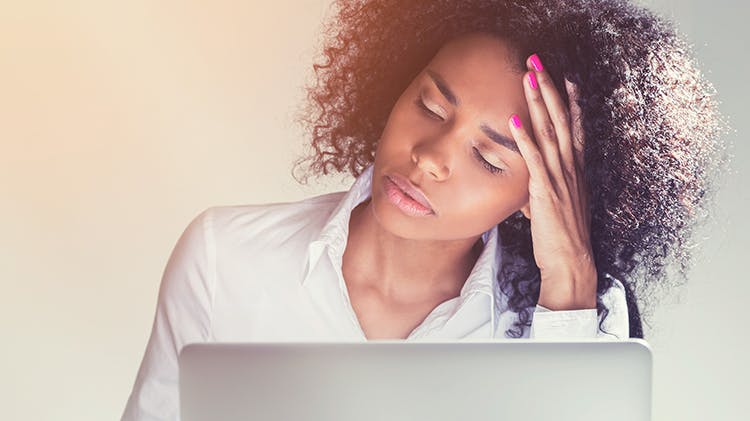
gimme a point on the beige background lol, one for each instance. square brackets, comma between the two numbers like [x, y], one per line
[121, 121]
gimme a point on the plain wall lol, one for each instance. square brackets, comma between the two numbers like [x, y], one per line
[121, 121]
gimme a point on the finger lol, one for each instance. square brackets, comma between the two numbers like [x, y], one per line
[576, 123]
[543, 128]
[538, 173]
[557, 108]
[577, 150]
[558, 117]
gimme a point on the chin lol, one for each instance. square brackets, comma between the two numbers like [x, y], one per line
[393, 220]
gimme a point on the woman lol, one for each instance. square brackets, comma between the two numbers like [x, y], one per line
[475, 129]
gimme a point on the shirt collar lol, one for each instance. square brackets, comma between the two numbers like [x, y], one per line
[481, 280]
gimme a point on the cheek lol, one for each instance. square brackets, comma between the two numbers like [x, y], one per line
[476, 208]
[396, 130]
[497, 200]
[514, 183]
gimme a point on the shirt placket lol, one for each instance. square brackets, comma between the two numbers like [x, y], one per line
[336, 264]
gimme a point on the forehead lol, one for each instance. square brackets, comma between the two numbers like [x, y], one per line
[483, 71]
[478, 44]
[479, 57]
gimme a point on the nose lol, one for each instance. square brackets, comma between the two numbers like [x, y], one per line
[433, 157]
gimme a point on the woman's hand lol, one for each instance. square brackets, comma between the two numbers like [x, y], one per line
[558, 202]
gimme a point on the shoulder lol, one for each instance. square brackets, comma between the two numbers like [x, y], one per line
[617, 321]
[259, 218]
[257, 227]
[616, 293]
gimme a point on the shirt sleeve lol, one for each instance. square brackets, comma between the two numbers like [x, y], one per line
[584, 324]
[182, 316]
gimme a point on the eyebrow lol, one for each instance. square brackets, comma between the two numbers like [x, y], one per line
[496, 137]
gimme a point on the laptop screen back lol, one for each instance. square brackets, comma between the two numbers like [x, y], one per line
[417, 381]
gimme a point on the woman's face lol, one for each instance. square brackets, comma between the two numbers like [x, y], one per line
[448, 136]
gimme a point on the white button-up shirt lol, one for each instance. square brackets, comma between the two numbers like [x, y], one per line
[273, 273]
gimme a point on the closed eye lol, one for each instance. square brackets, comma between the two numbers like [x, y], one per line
[489, 167]
[428, 111]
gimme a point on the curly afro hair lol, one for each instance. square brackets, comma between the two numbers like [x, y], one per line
[653, 154]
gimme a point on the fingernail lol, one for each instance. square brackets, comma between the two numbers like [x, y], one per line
[516, 121]
[536, 63]
[532, 81]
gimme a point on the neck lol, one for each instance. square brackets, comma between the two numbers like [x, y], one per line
[402, 269]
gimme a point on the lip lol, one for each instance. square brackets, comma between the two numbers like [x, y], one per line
[413, 195]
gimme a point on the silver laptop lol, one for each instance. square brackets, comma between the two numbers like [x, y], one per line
[518, 379]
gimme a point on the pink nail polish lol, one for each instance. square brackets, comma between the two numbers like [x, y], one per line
[536, 63]
[532, 81]
[516, 121]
